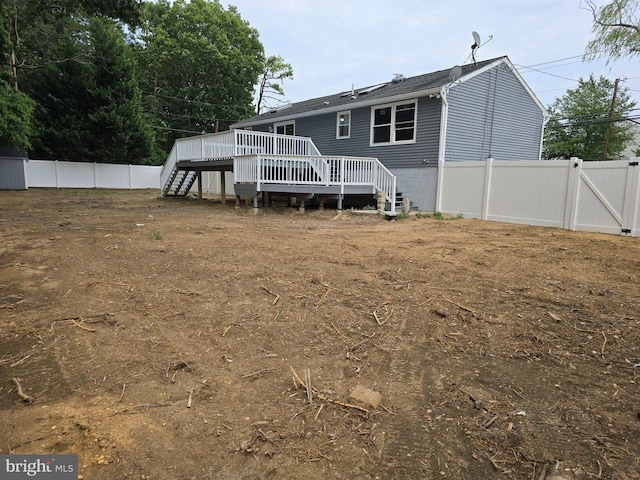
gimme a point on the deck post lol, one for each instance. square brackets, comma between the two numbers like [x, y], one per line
[237, 202]
[255, 202]
[301, 208]
[223, 187]
[340, 201]
[199, 184]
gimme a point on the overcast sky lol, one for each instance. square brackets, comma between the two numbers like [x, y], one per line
[332, 44]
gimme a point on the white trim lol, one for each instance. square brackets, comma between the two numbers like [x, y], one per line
[338, 136]
[392, 140]
[284, 124]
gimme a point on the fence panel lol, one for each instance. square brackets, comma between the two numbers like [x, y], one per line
[585, 196]
[56, 174]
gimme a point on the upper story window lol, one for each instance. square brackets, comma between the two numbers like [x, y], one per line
[394, 123]
[285, 128]
[343, 129]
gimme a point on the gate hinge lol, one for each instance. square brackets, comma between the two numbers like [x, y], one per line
[634, 164]
[626, 231]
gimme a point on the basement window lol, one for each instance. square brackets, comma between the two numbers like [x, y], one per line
[393, 123]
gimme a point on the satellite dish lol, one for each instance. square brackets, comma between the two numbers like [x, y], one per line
[455, 73]
[476, 40]
[475, 46]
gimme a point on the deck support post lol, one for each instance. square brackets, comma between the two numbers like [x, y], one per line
[223, 187]
[237, 202]
[381, 202]
[199, 184]
[255, 202]
[301, 207]
[340, 201]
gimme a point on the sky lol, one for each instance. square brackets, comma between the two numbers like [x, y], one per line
[334, 44]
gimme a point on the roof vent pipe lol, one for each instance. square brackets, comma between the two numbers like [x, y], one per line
[397, 78]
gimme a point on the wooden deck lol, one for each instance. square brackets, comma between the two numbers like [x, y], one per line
[265, 162]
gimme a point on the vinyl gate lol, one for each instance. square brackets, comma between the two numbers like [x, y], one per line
[571, 194]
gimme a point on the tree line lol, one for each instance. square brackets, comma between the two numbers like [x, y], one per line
[118, 81]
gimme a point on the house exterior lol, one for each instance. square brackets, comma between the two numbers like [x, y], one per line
[474, 112]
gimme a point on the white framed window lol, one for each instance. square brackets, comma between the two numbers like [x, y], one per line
[343, 124]
[394, 123]
[285, 128]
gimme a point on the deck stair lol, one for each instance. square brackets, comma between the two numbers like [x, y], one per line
[182, 182]
[268, 162]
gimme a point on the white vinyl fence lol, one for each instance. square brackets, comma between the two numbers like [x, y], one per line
[570, 194]
[56, 174]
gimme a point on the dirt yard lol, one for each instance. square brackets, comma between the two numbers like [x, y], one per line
[161, 339]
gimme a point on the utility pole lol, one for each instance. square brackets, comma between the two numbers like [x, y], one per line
[608, 134]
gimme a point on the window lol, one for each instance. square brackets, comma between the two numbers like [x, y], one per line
[394, 123]
[285, 128]
[344, 125]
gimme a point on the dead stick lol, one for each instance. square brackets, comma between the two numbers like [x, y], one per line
[300, 383]
[124, 385]
[322, 299]
[359, 344]
[190, 398]
[462, 307]
[309, 388]
[25, 398]
[315, 418]
[603, 344]
[490, 422]
[272, 293]
[495, 465]
[83, 327]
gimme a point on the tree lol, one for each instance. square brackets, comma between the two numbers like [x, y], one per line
[91, 110]
[200, 65]
[582, 119]
[274, 72]
[616, 27]
[16, 108]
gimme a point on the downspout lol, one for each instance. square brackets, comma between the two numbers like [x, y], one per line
[444, 114]
[545, 119]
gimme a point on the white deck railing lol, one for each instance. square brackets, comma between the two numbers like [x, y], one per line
[261, 157]
[316, 170]
[226, 145]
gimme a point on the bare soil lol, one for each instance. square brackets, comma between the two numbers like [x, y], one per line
[160, 338]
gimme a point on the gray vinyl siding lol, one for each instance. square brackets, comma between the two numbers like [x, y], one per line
[493, 116]
[12, 174]
[322, 130]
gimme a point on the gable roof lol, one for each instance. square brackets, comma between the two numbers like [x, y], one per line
[371, 95]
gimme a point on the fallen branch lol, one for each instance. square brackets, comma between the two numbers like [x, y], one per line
[603, 344]
[297, 382]
[272, 293]
[23, 396]
[82, 326]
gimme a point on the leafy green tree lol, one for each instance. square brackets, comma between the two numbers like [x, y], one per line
[274, 72]
[16, 108]
[582, 119]
[200, 64]
[616, 28]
